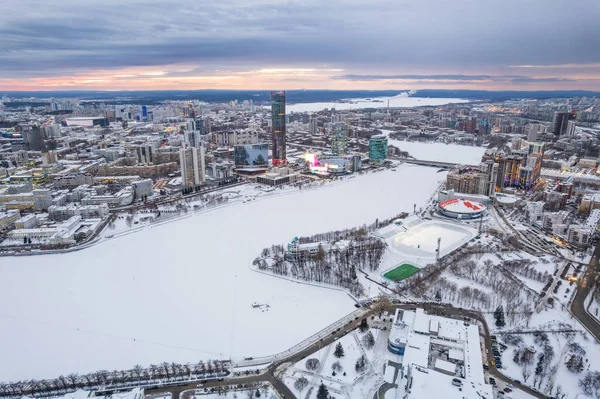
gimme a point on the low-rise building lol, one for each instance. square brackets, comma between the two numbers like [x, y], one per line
[8, 219]
[439, 355]
[579, 235]
[121, 198]
[26, 222]
[60, 213]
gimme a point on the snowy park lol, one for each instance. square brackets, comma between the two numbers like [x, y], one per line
[183, 291]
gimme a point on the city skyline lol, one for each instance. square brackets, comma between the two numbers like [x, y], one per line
[146, 45]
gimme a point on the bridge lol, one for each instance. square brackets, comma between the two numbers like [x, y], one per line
[436, 164]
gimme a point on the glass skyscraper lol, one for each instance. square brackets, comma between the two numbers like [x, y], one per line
[378, 148]
[278, 126]
[339, 138]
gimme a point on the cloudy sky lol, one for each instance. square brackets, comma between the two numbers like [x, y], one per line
[264, 44]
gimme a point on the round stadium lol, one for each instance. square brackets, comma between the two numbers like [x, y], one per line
[461, 209]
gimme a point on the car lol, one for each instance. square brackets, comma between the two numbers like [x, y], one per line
[507, 390]
[486, 367]
[517, 382]
[333, 333]
[492, 363]
[492, 381]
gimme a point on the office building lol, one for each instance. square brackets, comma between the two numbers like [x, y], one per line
[35, 139]
[570, 128]
[251, 155]
[339, 138]
[313, 127]
[42, 198]
[561, 122]
[191, 162]
[144, 153]
[378, 148]
[533, 131]
[278, 127]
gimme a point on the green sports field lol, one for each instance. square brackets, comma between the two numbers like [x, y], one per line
[401, 272]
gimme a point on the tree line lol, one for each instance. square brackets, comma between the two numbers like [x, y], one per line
[335, 266]
[105, 380]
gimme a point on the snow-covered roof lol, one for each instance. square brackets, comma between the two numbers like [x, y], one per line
[443, 365]
[429, 384]
[421, 323]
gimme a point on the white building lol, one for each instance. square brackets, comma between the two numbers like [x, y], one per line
[439, 355]
[191, 162]
[579, 235]
[121, 198]
[535, 211]
[593, 220]
[26, 222]
[60, 213]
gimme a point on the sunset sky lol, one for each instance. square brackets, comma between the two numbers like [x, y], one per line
[235, 44]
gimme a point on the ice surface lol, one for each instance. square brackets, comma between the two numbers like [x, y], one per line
[455, 153]
[183, 291]
[425, 236]
[381, 102]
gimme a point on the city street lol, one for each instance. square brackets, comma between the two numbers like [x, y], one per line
[585, 285]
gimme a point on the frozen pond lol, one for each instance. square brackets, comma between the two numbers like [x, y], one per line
[377, 102]
[455, 153]
[183, 291]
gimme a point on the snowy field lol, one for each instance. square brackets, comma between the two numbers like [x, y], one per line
[183, 291]
[422, 240]
[455, 153]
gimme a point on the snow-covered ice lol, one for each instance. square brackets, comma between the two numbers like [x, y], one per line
[378, 102]
[455, 153]
[182, 291]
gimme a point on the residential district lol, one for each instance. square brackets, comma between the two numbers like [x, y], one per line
[486, 291]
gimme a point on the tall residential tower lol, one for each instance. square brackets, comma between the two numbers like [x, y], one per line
[278, 126]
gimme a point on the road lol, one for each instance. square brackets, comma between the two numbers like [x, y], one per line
[586, 283]
[271, 373]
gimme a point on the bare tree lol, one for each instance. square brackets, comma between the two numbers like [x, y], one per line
[300, 384]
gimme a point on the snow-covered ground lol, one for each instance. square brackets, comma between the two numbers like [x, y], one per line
[442, 152]
[347, 382]
[183, 291]
[266, 391]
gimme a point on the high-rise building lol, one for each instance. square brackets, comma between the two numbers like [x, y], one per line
[278, 127]
[191, 161]
[144, 153]
[144, 113]
[378, 148]
[533, 131]
[570, 128]
[313, 127]
[251, 155]
[35, 139]
[339, 138]
[488, 175]
[561, 121]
